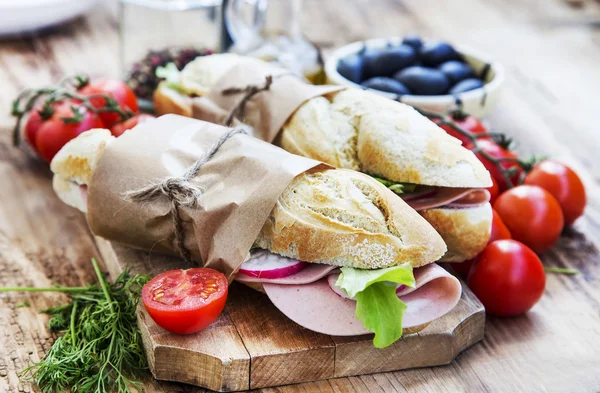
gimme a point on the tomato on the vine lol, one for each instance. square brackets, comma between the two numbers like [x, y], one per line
[119, 128]
[466, 122]
[498, 231]
[564, 185]
[116, 89]
[532, 215]
[34, 121]
[508, 278]
[494, 191]
[64, 125]
[185, 301]
[496, 151]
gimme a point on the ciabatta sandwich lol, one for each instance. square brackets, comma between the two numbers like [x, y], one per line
[385, 139]
[335, 239]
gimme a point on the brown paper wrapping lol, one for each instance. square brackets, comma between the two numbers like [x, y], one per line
[267, 111]
[241, 184]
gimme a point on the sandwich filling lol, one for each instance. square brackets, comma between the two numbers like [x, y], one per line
[347, 301]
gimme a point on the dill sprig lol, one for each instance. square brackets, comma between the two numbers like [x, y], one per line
[101, 349]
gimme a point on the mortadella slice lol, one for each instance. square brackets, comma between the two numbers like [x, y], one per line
[317, 307]
[448, 197]
[311, 273]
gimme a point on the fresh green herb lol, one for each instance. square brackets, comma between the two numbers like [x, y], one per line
[24, 304]
[170, 74]
[398, 188]
[377, 305]
[101, 348]
[561, 270]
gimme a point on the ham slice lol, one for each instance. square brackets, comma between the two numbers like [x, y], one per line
[311, 273]
[448, 197]
[316, 307]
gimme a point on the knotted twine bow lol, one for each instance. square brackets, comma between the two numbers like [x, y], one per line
[180, 191]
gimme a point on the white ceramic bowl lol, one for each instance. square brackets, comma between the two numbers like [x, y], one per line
[478, 102]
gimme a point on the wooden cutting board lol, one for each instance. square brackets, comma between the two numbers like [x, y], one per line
[253, 345]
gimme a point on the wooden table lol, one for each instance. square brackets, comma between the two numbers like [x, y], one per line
[550, 103]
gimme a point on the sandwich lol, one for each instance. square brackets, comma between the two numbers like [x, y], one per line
[387, 140]
[339, 253]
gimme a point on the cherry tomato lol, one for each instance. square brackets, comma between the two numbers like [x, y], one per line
[496, 151]
[509, 278]
[34, 121]
[494, 191]
[564, 185]
[532, 215]
[185, 301]
[116, 89]
[55, 132]
[468, 123]
[119, 128]
[499, 231]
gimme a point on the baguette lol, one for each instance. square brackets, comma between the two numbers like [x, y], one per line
[336, 217]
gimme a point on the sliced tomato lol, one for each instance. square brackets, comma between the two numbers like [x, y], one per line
[185, 301]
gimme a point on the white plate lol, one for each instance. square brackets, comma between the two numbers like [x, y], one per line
[20, 16]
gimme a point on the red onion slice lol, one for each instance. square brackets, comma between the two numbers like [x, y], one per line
[264, 264]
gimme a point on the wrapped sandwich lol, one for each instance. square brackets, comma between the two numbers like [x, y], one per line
[334, 249]
[346, 128]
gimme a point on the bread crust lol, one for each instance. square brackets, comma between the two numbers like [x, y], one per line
[466, 231]
[167, 100]
[312, 222]
[382, 137]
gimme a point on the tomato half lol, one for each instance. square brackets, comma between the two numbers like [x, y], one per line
[532, 216]
[508, 278]
[116, 89]
[119, 128]
[185, 301]
[55, 132]
[499, 231]
[564, 185]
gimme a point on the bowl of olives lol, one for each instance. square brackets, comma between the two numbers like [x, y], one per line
[431, 75]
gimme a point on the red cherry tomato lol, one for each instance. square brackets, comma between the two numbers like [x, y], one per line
[532, 216]
[509, 278]
[185, 301]
[564, 185]
[499, 231]
[494, 191]
[119, 128]
[34, 121]
[55, 132]
[468, 123]
[494, 150]
[116, 89]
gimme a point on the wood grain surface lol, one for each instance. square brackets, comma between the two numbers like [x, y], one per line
[253, 345]
[550, 104]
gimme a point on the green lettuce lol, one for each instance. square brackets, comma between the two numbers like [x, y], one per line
[170, 74]
[398, 188]
[377, 305]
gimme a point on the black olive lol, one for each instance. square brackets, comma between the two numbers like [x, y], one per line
[414, 41]
[456, 70]
[389, 60]
[423, 80]
[466, 85]
[351, 67]
[434, 54]
[383, 83]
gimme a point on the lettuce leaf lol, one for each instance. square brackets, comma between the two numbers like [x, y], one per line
[377, 305]
[170, 74]
[398, 188]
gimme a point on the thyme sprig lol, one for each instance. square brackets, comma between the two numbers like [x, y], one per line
[101, 348]
[47, 98]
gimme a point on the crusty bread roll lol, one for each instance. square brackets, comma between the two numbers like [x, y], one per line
[338, 217]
